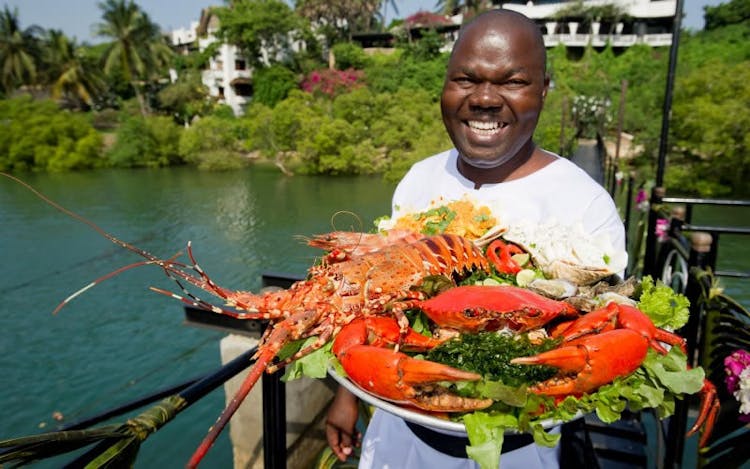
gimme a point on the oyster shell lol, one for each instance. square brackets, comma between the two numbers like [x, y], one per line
[556, 289]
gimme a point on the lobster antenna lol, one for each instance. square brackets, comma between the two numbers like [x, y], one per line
[341, 213]
[96, 282]
[81, 219]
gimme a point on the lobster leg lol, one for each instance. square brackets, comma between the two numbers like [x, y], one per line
[394, 375]
[284, 332]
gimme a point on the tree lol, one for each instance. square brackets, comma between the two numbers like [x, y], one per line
[137, 49]
[19, 51]
[263, 29]
[185, 98]
[732, 12]
[70, 74]
[344, 16]
[468, 7]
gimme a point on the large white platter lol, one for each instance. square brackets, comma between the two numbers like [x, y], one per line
[456, 428]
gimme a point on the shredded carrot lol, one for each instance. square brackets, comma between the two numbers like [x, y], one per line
[460, 217]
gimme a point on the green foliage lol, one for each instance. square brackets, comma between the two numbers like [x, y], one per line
[389, 73]
[427, 48]
[256, 25]
[725, 14]
[212, 143]
[349, 55]
[19, 52]
[137, 49]
[272, 84]
[37, 135]
[710, 122]
[548, 129]
[185, 98]
[149, 142]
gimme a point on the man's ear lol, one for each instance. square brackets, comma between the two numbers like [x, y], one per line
[546, 87]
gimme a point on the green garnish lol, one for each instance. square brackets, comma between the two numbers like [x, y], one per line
[489, 354]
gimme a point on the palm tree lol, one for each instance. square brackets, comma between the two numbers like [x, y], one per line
[384, 17]
[18, 51]
[468, 7]
[137, 49]
[68, 72]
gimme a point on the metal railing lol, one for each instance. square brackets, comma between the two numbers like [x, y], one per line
[684, 258]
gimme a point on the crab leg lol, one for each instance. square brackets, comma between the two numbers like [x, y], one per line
[394, 375]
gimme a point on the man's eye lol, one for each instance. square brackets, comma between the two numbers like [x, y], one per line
[463, 80]
[516, 82]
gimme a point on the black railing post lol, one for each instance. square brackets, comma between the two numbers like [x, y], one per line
[274, 421]
[649, 260]
[700, 248]
[274, 396]
[629, 205]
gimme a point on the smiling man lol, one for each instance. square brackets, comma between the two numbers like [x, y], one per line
[494, 91]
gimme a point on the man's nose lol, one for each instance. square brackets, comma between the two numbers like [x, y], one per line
[487, 96]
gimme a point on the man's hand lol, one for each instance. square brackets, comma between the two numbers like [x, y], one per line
[340, 423]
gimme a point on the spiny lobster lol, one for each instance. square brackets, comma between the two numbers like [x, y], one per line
[376, 283]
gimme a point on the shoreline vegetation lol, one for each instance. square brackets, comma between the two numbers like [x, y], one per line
[68, 107]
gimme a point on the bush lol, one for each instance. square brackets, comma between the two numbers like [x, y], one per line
[150, 142]
[213, 143]
[272, 84]
[349, 55]
[37, 135]
[332, 82]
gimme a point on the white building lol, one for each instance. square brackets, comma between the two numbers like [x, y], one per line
[645, 21]
[228, 76]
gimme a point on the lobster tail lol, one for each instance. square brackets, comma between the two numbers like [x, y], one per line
[447, 253]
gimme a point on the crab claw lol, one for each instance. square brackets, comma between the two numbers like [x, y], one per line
[397, 377]
[709, 409]
[587, 363]
[614, 316]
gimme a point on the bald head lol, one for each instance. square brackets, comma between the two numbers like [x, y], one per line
[505, 22]
[494, 90]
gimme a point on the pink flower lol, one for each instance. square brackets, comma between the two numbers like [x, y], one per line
[641, 196]
[737, 369]
[733, 366]
[662, 229]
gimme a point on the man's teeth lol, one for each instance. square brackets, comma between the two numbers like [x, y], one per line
[485, 127]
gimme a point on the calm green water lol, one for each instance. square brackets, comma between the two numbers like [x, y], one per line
[119, 340]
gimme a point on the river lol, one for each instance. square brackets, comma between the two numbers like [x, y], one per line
[119, 341]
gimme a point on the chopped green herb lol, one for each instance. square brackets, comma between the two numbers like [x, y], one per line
[489, 354]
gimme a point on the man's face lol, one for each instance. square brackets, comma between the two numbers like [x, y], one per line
[493, 94]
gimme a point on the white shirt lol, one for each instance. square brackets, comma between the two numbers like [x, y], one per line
[560, 191]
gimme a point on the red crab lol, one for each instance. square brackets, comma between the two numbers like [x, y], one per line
[597, 348]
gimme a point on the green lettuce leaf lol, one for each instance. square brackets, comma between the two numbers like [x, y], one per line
[486, 434]
[666, 308]
[312, 365]
[671, 371]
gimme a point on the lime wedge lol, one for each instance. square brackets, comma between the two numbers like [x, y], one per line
[525, 277]
[521, 259]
